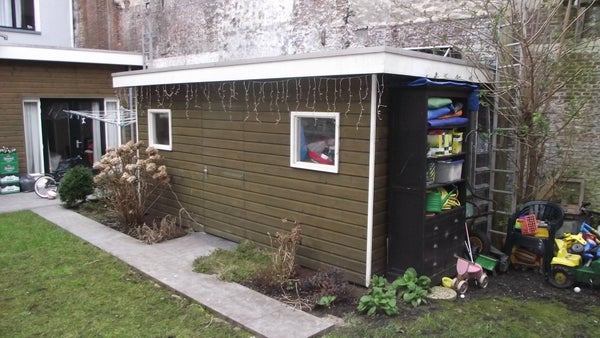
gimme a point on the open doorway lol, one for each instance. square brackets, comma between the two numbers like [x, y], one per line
[65, 135]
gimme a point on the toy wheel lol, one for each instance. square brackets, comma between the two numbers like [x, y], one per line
[461, 286]
[561, 277]
[577, 248]
[480, 243]
[483, 281]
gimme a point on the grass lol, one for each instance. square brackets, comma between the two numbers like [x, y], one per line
[54, 284]
[73, 289]
[238, 265]
[502, 317]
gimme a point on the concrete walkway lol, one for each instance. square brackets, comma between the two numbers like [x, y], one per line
[170, 263]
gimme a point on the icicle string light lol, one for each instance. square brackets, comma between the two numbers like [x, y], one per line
[380, 91]
[187, 101]
[247, 99]
[255, 96]
[206, 92]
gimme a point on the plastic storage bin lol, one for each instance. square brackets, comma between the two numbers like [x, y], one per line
[9, 164]
[448, 171]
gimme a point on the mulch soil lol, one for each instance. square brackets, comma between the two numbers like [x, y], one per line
[522, 284]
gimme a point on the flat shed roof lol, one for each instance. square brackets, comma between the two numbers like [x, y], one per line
[372, 60]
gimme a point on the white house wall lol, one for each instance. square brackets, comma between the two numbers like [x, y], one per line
[55, 26]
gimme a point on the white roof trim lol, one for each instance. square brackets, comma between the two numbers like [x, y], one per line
[375, 60]
[75, 55]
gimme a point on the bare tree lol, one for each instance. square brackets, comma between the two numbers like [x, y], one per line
[528, 46]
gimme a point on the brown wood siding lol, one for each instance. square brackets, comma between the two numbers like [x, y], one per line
[379, 252]
[21, 80]
[250, 187]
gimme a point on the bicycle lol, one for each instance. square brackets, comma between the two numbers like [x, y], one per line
[46, 186]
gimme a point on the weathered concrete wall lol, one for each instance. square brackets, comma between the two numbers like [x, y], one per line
[188, 31]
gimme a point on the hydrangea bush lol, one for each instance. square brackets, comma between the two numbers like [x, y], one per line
[129, 181]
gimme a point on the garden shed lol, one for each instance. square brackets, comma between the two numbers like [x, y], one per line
[320, 139]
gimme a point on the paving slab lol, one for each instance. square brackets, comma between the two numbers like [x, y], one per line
[171, 263]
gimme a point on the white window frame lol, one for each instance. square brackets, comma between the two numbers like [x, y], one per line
[152, 130]
[10, 7]
[295, 142]
[112, 131]
[34, 147]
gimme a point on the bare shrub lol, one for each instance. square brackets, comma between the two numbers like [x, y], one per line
[284, 256]
[330, 282]
[129, 181]
[164, 230]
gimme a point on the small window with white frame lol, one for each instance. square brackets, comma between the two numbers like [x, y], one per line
[314, 141]
[159, 129]
[18, 14]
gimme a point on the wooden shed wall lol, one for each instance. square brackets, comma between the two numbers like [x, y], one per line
[21, 80]
[240, 133]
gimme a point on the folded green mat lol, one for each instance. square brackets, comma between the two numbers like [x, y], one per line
[437, 102]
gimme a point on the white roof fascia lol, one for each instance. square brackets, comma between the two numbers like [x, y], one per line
[374, 60]
[74, 55]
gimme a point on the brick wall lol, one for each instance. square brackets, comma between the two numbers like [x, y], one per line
[97, 24]
[580, 143]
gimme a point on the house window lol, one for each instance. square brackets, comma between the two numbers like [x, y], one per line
[19, 14]
[33, 136]
[314, 141]
[159, 128]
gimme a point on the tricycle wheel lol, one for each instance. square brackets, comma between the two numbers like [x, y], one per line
[483, 281]
[460, 285]
[561, 277]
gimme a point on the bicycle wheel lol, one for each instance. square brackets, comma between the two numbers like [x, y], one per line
[44, 184]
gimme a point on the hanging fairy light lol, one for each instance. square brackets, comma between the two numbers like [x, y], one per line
[271, 96]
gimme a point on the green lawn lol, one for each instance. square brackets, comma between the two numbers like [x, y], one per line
[55, 285]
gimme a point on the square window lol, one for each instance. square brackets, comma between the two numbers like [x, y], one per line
[314, 141]
[159, 128]
[19, 14]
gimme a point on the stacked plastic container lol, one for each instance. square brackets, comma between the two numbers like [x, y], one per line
[9, 173]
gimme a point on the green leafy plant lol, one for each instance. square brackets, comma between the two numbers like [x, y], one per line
[413, 288]
[326, 301]
[381, 296]
[75, 186]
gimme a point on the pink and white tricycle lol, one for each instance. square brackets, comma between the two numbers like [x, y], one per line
[465, 271]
